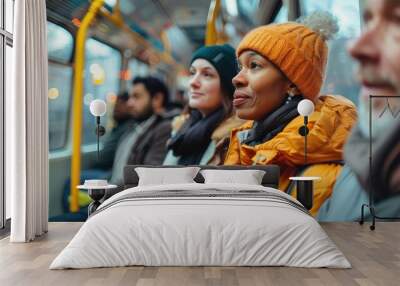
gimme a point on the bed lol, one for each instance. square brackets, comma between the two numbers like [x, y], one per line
[201, 224]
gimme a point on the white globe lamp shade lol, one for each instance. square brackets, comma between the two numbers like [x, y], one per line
[305, 107]
[98, 107]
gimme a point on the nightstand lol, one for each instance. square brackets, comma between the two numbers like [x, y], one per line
[97, 193]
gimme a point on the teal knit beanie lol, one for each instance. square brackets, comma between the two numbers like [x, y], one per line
[223, 58]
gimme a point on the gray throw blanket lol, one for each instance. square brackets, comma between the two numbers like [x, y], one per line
[206, 194]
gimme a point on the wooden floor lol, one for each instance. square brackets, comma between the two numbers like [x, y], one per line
[374, 255]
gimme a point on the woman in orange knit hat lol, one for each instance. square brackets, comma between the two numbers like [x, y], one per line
[281, 64]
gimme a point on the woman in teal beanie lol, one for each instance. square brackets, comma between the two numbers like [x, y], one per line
[202, 136]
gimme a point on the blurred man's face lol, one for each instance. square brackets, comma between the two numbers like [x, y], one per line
[121, 109]
[139, 102]
[378, 50]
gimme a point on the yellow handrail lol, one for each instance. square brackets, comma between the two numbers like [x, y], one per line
[96, 8]
[117, 20]
[211, 32]
[77, 108]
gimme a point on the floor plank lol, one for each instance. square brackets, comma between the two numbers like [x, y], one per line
[374, 255]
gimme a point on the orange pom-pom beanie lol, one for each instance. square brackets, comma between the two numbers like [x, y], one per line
[299, 52]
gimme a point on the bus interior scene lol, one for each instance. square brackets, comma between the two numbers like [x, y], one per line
[209, 134]
[121, 43]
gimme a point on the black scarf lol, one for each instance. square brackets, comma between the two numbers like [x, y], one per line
[274, 123]
[193, 138]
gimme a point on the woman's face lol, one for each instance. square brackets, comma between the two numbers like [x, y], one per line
[205, 90]
[260, 87]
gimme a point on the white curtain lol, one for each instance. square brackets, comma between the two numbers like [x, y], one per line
[27, 123]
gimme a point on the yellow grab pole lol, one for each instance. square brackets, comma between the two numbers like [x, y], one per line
[211, 32]
[77, 108]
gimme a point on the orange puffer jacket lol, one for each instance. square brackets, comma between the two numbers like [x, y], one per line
[329, 127]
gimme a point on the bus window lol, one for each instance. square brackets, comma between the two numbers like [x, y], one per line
[339, 76]
[137, 68]
[282, 15]
[60, 43]
[60, 46]
[247, 10]
[102, 69]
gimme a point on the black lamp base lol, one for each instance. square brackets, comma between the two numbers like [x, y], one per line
[374, 216]
[372, 211]
[96, 195]
[305, 193]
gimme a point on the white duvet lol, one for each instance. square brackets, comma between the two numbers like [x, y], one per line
[188, 231]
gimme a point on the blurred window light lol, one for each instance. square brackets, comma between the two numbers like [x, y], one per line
[346, 11]
[53, 93]
[76, 22]
[247, 9]
[128, 6]
[110, 3]
[59, 43]
[87, 99]
[340, 69]
[282, 15]
[231, 7]
[111, 97]
[98, 74]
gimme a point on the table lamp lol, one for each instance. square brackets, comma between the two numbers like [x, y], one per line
[305, 108]
[305, 184]
[98, 108]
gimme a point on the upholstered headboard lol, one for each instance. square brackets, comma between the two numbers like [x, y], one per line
[270, 179]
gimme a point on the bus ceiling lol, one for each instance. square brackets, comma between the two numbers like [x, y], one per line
[186, 23]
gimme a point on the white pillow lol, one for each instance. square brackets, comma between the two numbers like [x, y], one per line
[166, 176]
[248, 177]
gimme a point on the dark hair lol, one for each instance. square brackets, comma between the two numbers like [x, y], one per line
[123, 96]
[154, 85]
[227, 102]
